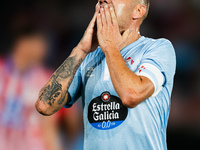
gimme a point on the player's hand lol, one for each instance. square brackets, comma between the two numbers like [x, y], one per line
[108, 33]
[89, 40]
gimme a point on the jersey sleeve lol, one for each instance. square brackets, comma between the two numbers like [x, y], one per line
[158, 64]
[74, 89]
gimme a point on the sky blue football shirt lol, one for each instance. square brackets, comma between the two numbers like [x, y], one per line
[108, 125]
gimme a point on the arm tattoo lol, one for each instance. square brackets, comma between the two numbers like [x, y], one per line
[66, 69]
[50, 93]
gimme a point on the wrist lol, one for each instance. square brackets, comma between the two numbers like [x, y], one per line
[81, 48]
[78, 50]
[111, 50]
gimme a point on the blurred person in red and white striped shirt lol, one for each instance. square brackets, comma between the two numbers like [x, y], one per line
[21, 77]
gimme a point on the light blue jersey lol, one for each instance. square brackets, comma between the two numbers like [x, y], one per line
[108, 125]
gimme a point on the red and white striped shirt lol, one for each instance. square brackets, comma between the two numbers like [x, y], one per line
[20, 124]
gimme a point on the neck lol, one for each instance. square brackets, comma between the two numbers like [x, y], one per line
[133, 35]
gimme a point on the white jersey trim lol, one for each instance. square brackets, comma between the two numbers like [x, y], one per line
[106, 72]
[154, 74]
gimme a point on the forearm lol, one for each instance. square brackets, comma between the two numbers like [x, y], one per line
[54, 94]
[131, 88]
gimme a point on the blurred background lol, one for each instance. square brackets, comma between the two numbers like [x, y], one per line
[37, 36]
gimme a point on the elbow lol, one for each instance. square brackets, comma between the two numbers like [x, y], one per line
[131, 99]
[42, 108]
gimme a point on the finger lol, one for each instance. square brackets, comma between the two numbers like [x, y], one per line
[97, 7]
[99, 26]
[113, 17]
[92, 22]
[103, 17]
[107, 14]
[99, 22]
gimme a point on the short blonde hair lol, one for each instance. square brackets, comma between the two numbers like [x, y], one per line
[146, 3]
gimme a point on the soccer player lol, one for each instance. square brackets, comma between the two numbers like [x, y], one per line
[125, 83]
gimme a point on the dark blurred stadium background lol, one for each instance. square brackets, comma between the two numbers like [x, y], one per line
[177, 20]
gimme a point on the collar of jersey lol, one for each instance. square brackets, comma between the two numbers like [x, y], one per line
[125, 48]
[132, 44]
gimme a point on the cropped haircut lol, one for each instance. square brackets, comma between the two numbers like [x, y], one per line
[146, 3]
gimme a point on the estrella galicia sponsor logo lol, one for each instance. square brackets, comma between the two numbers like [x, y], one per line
[106, 112]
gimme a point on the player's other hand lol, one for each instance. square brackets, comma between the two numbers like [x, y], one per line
[109, 36]
[89, 40]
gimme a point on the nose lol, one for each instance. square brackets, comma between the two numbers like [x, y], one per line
[103, 2]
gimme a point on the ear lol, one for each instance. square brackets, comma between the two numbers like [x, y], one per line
[138, 11]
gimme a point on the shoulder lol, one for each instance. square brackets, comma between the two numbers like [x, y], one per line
[152, 43]
[159, 46]
[164, 43]
[160, 52]
[93, 57]
[41, 71]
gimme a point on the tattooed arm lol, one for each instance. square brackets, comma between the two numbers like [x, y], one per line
[54, 95]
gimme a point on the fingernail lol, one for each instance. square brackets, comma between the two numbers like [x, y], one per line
[101, 9]
[111, 8]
